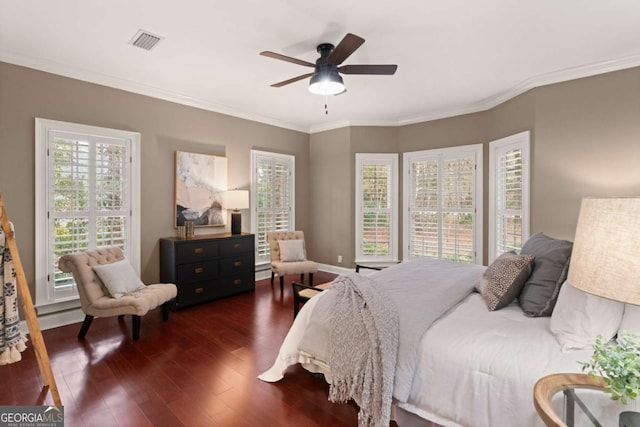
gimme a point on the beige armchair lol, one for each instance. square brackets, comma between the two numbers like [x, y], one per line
[281, 265]
[95, 298]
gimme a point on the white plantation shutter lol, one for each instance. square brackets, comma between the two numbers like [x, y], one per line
[273, 197]
[376, 207]
[509, 194]
[443, 210]
[90, 188]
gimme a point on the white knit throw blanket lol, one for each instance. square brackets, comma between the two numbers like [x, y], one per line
[363, 348]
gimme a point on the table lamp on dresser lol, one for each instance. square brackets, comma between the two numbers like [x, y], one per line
[236, 200]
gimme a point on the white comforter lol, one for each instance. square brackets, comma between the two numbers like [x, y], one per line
[474, 367]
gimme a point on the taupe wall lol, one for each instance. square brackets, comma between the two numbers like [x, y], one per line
[165, 127]
[585, 141]
[330, 176]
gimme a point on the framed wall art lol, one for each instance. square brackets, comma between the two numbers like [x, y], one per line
[200, 181]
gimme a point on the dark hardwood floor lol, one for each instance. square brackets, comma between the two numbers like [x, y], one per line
[198, 369]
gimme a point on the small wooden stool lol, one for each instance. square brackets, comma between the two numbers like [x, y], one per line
[302, 293]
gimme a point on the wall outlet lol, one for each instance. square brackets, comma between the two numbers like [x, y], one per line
[339, 259]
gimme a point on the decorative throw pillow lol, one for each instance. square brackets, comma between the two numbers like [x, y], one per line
[119, 278]
[540, 292]
[503, 279]
[579, 317]
[291, 250]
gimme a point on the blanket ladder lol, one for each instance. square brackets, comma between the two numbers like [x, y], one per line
[29, 311]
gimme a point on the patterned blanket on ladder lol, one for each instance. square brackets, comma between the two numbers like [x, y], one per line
[12, 341]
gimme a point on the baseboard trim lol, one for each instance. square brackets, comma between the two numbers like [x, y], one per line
[335, 269]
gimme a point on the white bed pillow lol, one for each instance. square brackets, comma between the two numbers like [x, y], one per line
[579, 317]
[630, 319]
[119, 278]
[291, 250]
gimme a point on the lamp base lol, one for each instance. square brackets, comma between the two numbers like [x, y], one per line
[236, 222]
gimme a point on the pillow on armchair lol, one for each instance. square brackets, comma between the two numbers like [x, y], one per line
[119, 278]
[291, 250]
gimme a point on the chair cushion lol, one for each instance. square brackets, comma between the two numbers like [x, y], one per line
[138, 302]
[119, 278]
[300, 267]
[291, 250]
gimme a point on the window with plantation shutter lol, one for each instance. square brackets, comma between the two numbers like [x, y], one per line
[272, 192]
[509, 194]
[376, 207]
[87, 198]
[443, 204]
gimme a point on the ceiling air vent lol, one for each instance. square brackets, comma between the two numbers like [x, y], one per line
[145, 40]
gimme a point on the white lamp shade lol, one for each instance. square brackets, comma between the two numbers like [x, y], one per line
[236, 199]
[606, 252]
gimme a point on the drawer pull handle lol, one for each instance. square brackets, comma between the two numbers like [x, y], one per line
[198, 250]
[199, 270]
[237, 282]
[237, 264]
[199, 290]
[237, 246]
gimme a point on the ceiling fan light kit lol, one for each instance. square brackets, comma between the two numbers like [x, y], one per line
[326, 83]
[326, 78]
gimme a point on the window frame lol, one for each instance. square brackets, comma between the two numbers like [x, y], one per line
[412, 156]
[390, 159]
[520, 140]
[289, 159]
[44, 193]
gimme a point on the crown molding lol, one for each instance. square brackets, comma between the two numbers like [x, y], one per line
[66, 70]
[560, 76]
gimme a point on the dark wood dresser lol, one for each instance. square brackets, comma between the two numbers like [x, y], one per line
[209, 266]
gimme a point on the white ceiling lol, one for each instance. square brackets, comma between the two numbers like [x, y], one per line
[453, 56]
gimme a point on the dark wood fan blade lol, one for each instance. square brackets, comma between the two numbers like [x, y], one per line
[286, 58]
[345, 48]
[368, 69]
[293, 80]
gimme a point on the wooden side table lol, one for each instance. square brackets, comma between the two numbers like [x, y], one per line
[548, 386]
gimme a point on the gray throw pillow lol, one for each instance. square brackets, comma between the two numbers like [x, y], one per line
[552, 257]
[503, 280]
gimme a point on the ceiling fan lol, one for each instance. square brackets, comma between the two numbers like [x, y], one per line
[326, 79]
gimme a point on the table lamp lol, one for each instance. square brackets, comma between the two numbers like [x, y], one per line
[606, 252]
[606, 256]
[236, 200]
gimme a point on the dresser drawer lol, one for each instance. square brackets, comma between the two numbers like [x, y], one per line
[196, 251]
[196, 271]
[241, 283]
[193, 293]
[234, 247]
[236, 265]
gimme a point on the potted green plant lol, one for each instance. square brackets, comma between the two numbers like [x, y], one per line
[618, 363]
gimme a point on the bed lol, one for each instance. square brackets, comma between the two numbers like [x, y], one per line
[463, 365]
